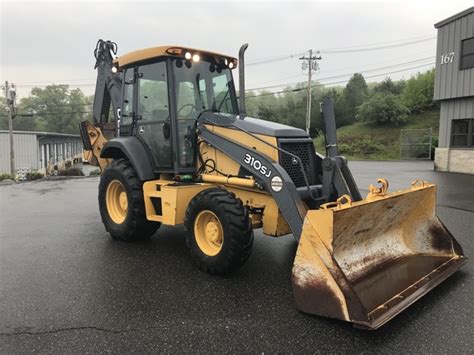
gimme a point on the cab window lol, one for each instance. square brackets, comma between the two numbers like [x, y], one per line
[153, 93]
[127, 107]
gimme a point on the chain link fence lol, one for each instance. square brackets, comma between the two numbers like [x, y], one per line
[416, 143]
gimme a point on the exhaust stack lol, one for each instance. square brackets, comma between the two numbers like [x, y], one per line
[242, 111]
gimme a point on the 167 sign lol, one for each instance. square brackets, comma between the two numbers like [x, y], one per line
[447, 58]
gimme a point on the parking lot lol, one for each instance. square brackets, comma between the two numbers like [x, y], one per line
[66, 286]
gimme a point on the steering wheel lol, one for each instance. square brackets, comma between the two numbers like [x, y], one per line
[193, 108]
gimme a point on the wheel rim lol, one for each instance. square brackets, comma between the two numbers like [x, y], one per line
[208, 233]
[117, 201]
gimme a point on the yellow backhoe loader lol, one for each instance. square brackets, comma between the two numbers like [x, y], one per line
[175, 146]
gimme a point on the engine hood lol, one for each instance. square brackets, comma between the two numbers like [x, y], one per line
[253, 125]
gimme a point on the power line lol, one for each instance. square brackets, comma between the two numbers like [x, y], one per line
[26, 114]
[363, 47]
[400, 40]
[339, 69]
[388, 73]
[275, 59]
[337, 82]
[346, 74]
[53, 81]
[287, 77]
[393, 61]
[71, 105]
[61, 113]
[370, 48]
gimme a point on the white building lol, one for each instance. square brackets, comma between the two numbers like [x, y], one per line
[40, 151]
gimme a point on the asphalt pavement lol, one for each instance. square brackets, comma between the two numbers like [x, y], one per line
[67, 287]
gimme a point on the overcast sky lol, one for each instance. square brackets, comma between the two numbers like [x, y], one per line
[43, 43]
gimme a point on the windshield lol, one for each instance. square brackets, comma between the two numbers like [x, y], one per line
[199, 86]
[202, 86]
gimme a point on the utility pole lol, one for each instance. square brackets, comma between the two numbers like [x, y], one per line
[10, 96]
[309, 63]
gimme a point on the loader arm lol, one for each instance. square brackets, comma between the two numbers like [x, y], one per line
[337, 179]
[278, 182]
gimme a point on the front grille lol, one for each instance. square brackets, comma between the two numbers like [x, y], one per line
[304, 151]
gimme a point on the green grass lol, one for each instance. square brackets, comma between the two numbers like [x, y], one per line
[364, 141]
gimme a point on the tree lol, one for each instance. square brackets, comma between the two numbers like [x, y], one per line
[20, 122]
[354, 95]
[384, 109]
[418, 92]
[3, 115]
[251, 102]
[388, 86]
[56, 109]
[337, 95]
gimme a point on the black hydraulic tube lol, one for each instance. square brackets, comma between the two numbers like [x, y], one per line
[327, 111]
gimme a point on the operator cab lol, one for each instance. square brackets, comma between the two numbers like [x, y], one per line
[165, 90]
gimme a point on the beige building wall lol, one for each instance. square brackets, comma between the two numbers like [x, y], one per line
[454, 160]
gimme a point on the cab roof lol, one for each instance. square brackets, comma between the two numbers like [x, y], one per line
[168, 51]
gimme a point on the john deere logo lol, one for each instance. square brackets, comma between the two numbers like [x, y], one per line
[277, 183]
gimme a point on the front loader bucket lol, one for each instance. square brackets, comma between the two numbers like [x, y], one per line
[367, 261]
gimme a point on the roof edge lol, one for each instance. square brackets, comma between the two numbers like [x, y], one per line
[162, 51]
[452, 18]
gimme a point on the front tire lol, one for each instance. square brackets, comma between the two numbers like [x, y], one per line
[121, 203]
[218, 231]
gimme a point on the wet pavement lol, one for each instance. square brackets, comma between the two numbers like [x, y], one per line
[66, 286]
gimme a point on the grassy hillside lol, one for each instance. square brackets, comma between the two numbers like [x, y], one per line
[367, 141]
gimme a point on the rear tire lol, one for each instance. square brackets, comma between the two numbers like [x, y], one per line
[121, 203]
[218, 231]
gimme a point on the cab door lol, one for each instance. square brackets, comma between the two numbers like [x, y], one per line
[153, 122]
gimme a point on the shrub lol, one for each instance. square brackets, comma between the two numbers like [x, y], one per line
[384, 109]
[364, 146]
[95, 172]
[367, 146]
[34, 175]
[6, 177]
[344, 148]
[417, 95]
[71, 172]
